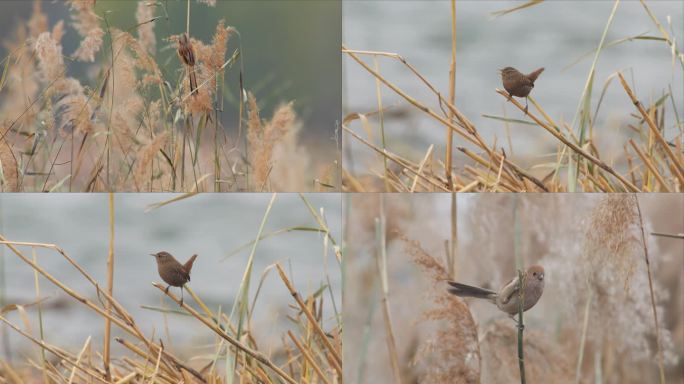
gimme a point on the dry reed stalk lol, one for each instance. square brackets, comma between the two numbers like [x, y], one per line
[123, 319]
[252, 353]
[80, 356]
[463, 127]
[521, 325]
[93, 375]
[110, 289]
[167, 369]
[677, 165]
[461, 130]
[452, 95]
[381, 116]
[381, 263]
[659, 347]
[517, 183]
[628, 186]
[396, 159]
[336, 360]
[650, 166]
[421, 165]
[309, 358]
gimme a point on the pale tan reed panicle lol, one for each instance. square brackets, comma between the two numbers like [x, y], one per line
[87, 24]
[452, 353]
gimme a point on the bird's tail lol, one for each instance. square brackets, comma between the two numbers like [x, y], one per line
[463, 290]
[188, 264]
[534, 74]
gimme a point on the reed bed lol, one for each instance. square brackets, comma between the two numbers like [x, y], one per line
[310, 351]
[142, 117]
[609, 312]
[652, 160]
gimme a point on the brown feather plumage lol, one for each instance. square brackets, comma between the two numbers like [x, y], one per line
[187, 55]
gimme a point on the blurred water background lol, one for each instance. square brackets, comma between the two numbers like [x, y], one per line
[210, 225]
[290, 52]
[552, 35]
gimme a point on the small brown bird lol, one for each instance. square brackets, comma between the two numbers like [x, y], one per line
[172, 272]
[507, 297]
[519, 84]
[187, 54]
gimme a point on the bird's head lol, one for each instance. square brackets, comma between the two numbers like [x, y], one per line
[536, 272]
[162, 256]
[507, 70]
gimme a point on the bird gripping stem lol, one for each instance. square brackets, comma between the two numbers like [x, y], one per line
[521, 326]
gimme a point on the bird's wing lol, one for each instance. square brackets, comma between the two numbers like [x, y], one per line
[509, 290]
[527, 81]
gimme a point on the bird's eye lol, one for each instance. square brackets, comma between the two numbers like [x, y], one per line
[534, 274]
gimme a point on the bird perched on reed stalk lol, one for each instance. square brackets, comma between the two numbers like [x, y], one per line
[172, 272]
[187, 55]
[506, 299]
[519, 84]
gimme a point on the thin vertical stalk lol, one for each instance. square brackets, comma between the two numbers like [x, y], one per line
[108, 141]
[650, 288]
[452, 95]
[598, 372]
[217, 160]
[521, 325]
[381, 258]
[187, 20]
[381, 115]
[187, 124]
[585, 100]
[40, 317]
[585, 327]
[110, 289]
[7, 349]
[519, 262]
[336, 359]
[451, 263]
[241, 305]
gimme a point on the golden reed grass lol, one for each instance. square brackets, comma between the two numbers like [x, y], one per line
[95, 132]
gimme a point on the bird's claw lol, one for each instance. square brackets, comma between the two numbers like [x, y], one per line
[517, 323]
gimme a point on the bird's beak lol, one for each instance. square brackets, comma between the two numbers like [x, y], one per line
[152, 254]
